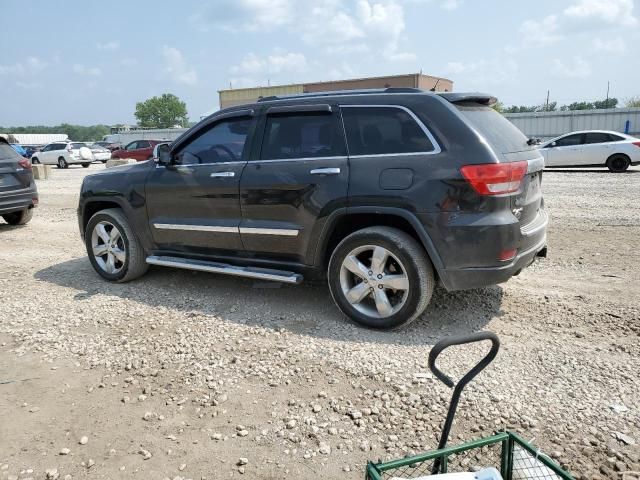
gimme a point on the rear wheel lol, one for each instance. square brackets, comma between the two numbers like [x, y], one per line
[19, 218]
[113, 248]
[62, 163]
[618, 163]
[85, 165]
[381, 277]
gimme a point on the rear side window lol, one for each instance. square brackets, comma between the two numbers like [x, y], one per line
[143, 144]
[598, 137]
[383, 131]
[502, 135]
[308, 135]
[8, 153]
[76, 146]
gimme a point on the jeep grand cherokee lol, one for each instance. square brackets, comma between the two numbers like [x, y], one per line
[384, 192]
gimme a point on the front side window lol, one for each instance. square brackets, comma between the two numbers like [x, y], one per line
[570, 140]
[132, 146]
[302, 135]
[383, 131]
[224, 142]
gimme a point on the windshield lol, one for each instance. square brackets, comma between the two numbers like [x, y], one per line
[500, 133]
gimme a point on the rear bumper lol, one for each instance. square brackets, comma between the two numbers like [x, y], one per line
[466, 278]
[16, 200]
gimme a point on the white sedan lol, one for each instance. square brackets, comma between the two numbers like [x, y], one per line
[592, 148]
[100, 154]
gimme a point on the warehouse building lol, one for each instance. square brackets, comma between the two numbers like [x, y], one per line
[240, 96]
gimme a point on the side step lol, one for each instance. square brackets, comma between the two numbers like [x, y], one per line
[216, 267]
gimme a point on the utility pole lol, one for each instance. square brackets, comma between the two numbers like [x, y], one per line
[606, 104]
[546, 109]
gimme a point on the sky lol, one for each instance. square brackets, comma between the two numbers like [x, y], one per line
[88, 62]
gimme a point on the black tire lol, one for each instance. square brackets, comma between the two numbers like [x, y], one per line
[104, 161]
[62, 163]
[417, 268]
[35, 161]
[135, 264]
[85, 165]
[19, 218]
[618, 163]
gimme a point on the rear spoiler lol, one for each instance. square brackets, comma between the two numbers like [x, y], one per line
[483, 98]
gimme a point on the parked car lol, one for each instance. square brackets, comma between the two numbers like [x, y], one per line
[100, 154]
[384, 192]
[108, 145]
[18, 191]
[138, 150]
[592, 148]
[64, 154]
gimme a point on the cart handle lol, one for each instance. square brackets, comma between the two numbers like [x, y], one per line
[462, 340]
[458, 387]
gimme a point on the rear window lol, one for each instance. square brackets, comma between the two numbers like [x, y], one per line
[502, 135]
[8, 153]
[383, 131]
[77, 146]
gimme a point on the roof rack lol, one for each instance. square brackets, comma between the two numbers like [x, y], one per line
[343, 92]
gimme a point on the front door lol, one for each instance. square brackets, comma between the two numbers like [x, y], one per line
[566, 152]
[193, 204]
[138, 150]
[299, 174]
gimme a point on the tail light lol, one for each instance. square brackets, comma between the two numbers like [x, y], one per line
[637, 144]
[25, 163]
[495, 178]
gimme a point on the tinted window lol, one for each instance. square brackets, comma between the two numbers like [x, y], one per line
[57, 146]
[132, 146]
[224, 142]
[8, 153]
[383, 130]
[615, 138]
[597, 137]
[302, 136]
[569, 140]
[76, 146]
[502, 135]
[143, 144]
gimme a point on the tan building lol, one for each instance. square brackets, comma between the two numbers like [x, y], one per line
[239, 96]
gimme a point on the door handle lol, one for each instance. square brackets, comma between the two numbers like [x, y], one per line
[223, 174]
[325, 171]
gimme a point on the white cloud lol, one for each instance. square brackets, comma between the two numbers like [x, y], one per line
[30, 66]
[481, 73]
[83, 70]
[177, 68]
[108, 46]
[618, 12]
[538, 33]
[578, 67]
[615, 45]
[450, 4]
[271, 64]
[248, 15]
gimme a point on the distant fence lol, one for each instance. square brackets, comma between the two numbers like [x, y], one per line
[552, 124]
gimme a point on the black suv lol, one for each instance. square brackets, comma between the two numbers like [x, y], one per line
[386, 192]
[18, 192]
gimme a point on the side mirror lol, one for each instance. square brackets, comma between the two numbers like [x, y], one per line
[162, 153]
[552, 144]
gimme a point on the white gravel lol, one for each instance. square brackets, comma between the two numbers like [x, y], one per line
[219, 377]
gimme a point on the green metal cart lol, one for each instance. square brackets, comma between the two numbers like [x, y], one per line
[509, 454]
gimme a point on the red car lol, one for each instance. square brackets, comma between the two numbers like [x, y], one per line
[139, 150]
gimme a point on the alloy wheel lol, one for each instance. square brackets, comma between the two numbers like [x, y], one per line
[108, 247]
[374, 281]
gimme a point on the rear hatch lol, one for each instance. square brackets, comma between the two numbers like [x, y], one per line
[12, 175]
[510, 145]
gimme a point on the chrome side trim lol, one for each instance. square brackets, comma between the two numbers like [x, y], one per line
[436, 146]
[195, 228]
[301, 159]
[214, 267]
[270, 231]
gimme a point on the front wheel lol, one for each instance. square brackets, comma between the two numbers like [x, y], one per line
[85, 165]
[381, 277]
[19, 218]
[113, 248]
[35, 161]
[618, 163]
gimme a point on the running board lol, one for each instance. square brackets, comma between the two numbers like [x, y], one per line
[216, 267]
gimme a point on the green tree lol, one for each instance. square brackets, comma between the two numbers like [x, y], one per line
[607, 103]
[498, 107]
[633, 102]
[164, 111]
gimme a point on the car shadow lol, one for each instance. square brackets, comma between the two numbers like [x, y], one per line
[306, 309]
[588, 170]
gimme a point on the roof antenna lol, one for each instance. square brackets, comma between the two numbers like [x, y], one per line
[433, 89]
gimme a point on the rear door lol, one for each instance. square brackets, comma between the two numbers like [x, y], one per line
[597, 148]
[298, 175]
[12, 176]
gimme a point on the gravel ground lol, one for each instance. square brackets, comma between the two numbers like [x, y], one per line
[189, 375]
